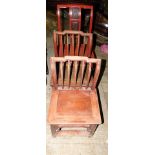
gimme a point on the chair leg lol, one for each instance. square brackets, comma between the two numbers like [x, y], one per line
[47, 71]
[54, 129]
[91, 129]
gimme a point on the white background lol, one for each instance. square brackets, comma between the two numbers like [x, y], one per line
[23, 77]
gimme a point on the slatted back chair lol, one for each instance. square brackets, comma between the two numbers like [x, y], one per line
[73, 43]
[74, 101]
[75, 17]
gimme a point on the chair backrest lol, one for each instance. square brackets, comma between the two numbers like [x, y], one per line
[74, 72]
[75, 17]
[72, 43]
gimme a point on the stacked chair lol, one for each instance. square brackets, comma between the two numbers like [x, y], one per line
[75, 16]
[74, 107]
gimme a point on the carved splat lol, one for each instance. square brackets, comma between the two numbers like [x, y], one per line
[75, 17]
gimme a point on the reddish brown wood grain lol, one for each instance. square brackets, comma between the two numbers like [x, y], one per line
[89, 73]
[72, 105]
[53, 75]
[79, 68]
[77, 45]
[60, 46]
[55, 44]
[73, 43]
[74, 15]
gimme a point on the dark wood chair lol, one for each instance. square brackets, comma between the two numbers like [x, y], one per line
[75, 16]
[74, 108]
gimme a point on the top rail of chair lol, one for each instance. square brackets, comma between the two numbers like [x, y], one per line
[72, 32]
[75, 58]
[75, 5]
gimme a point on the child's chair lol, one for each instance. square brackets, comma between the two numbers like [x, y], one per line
[74, 107]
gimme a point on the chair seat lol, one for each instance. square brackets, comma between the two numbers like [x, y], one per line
[74, 107]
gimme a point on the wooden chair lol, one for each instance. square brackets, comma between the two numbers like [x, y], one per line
[73, 43]
[74, 108]
[75, 17]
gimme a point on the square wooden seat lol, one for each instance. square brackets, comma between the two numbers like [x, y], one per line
[74, 106]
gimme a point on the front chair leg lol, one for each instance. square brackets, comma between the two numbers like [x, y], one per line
[91, 129]
[54, 129]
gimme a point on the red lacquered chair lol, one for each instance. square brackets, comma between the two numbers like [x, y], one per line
[75, 16]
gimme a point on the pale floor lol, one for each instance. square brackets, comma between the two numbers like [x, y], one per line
[96, 145]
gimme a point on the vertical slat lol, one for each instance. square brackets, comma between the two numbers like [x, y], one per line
[70, 18]
[59, 20]
[78, 74]
[64, 45]
[82, 48]
[77, 45]
[67, 45]
[79, 28]
[89, 73]
[82, 72]
[72, 45]
[61, 72]
[65, 50]
[93, 55]
[96, 75]
[55, 44]
[60, 46]
[91, 20]
[75, 65]
[89, 46]
[53, 74]
[69, 69]
[65, 74]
